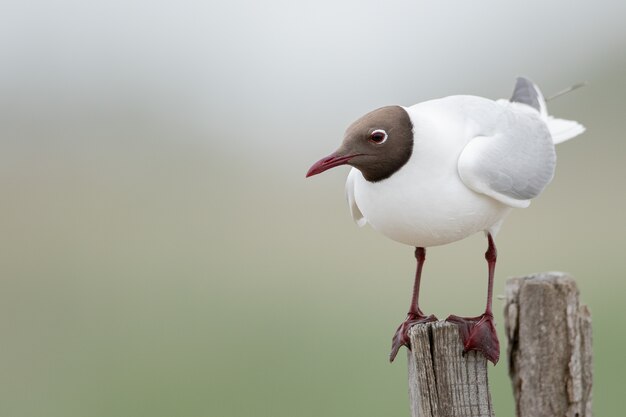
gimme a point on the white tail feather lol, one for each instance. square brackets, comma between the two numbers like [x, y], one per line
[562, 130]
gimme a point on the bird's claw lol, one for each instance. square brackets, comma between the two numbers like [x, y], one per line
[401, 338]
[478, 333]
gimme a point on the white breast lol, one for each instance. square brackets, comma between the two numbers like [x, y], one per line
[425, 203]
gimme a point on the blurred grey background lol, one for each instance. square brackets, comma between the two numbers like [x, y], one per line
[161, 252]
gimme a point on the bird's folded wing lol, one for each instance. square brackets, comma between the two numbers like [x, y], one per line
[513, 162]
[357, 216]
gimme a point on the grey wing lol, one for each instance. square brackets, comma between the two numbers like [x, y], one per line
[528, 93]
[513, 163]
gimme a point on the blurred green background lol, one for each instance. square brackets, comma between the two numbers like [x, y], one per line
[161, 252]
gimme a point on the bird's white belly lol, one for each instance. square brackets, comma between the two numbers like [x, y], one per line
[429, 210]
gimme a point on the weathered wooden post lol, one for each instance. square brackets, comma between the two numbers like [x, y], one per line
[549, 346]
[442, 380]
[549, 350]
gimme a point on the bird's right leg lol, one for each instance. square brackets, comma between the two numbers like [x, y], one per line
[415, 315]
[479, 333]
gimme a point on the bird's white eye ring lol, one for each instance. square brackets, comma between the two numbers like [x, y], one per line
[378, 136]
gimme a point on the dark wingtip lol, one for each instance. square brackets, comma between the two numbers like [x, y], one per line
[525, 92]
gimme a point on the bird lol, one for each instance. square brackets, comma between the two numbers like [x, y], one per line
[444, 169]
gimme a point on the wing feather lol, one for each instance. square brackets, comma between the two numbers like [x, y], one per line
[357, 216]
[514, 163]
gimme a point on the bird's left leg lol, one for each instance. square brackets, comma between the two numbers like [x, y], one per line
[415, 314]
[479, 333]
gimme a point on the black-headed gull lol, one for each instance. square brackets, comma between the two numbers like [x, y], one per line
[444, 169]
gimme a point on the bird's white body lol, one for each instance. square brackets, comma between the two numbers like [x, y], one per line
[473, 160]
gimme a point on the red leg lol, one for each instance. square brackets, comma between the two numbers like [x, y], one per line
[415, 315]
[479, 333]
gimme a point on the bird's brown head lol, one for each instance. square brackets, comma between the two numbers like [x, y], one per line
[378, 144]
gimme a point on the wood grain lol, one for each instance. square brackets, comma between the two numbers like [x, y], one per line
[549, 346]
[442, 380]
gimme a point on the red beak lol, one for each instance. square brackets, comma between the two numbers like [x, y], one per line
[329, 162]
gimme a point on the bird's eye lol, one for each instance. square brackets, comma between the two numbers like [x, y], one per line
[378, 136]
